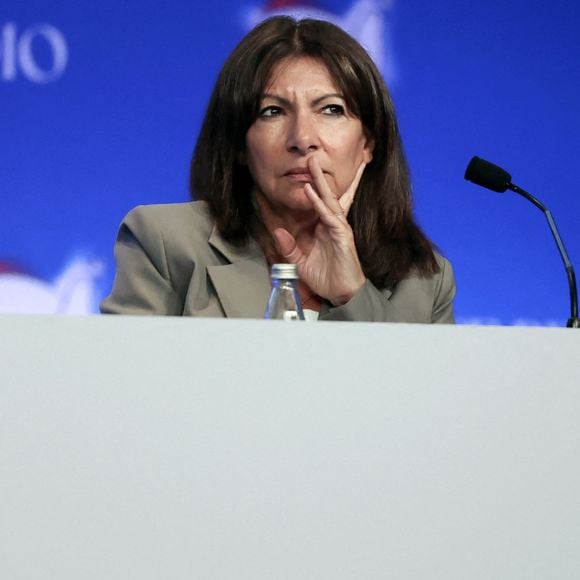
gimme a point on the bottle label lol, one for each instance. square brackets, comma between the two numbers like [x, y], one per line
[291, 315]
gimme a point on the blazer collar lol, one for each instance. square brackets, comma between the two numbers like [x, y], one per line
[242, 285]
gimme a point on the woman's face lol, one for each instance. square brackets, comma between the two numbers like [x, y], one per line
[303, 114]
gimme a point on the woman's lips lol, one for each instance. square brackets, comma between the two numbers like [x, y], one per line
[299, 174]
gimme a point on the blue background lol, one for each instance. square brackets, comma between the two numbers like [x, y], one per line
[495, 79]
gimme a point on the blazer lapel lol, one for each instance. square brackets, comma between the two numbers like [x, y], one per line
[243, 285]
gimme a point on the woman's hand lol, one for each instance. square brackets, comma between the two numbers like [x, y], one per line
[327, 262]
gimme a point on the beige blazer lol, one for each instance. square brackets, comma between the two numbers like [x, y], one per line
[172, 261]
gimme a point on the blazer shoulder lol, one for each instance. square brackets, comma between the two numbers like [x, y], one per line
[445, 274]
[445, 290]
[174, 237]
[171, 219]
[441, 260]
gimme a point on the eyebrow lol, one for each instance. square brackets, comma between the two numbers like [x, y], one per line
[287, 103]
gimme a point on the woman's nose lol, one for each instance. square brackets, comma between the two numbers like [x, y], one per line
[302, 134]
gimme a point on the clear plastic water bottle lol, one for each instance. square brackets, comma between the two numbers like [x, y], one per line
[284, 302]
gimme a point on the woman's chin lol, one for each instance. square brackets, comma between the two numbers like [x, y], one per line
[294, 201]
[302, 204]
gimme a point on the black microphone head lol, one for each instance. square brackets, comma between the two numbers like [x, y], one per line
[486, 174]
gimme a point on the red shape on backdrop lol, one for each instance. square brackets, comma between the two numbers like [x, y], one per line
[7, 267]
[281, 4]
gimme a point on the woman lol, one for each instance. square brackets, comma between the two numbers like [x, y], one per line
[298, 160]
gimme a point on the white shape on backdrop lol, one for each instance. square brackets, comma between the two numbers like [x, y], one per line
[72, 292]
[365, 20]
[20, 58]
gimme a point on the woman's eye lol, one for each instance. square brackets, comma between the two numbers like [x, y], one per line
[270, 111]
[334, 109]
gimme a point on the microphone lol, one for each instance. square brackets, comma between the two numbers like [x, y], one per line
[490, 176]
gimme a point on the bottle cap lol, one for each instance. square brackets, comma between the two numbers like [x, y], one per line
[284, 271]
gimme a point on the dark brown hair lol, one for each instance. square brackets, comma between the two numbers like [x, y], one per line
[388, 241]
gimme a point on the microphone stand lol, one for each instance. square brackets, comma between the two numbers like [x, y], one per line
[573, 321]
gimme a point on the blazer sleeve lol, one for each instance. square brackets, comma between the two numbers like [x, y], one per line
[444, 295]
[416, 299]
[142, 283]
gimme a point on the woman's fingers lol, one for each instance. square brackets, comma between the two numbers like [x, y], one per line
[348, 196]
[287, 245]
[321, 184]
[327, 215]
[336, 205]
[322, 197]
